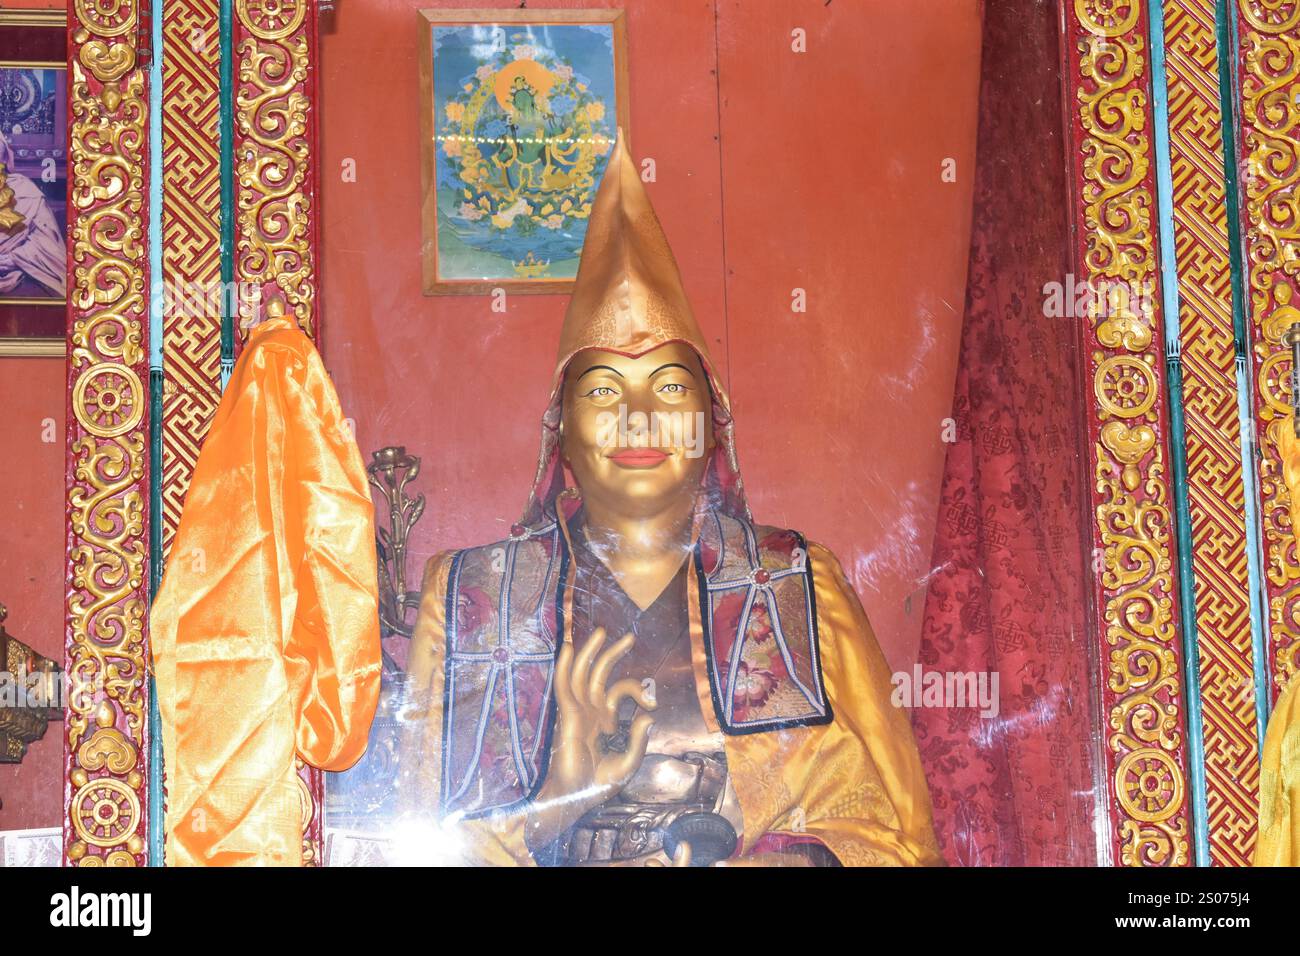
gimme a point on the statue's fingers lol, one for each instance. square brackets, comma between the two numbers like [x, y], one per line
[604, 665]
[637, 741]
[582, 663]
[682, 855]
[563, 679]
[628, 687]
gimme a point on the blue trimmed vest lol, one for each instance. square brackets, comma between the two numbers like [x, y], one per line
[505, 610]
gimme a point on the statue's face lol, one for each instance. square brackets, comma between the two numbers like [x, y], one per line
[637, 431]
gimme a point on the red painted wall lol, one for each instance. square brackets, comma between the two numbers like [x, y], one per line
[831, 169]
[775, 170]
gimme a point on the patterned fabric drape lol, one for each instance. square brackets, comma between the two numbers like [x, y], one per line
[1008, 594]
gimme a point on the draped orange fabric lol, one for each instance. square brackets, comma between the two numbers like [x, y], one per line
[265, 632]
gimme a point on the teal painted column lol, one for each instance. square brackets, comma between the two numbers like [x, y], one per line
[156, 300]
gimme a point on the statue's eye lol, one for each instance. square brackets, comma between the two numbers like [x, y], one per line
[674, 388]
[600, 391]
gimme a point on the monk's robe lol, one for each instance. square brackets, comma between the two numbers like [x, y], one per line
[819, 756]
[265, 632]
[1278, 843]
[35, 246]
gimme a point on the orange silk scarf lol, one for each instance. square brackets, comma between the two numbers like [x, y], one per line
[265, 632]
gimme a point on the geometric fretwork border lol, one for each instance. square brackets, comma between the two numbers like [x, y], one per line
[1215, 484]
[1107, 71]
[1269, 79]
[191, 243]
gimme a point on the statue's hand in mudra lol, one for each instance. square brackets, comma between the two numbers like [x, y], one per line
[583, 772]
[580, 761]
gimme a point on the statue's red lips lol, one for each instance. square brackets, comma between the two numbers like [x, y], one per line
[639, 457]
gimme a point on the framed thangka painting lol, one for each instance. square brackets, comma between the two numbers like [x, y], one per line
[520, 109]
[33, 181]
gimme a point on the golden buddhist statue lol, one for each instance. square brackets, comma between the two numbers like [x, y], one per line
[639, 674]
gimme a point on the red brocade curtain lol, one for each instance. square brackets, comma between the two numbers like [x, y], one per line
[1008, 593]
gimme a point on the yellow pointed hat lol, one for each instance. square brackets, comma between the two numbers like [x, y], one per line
[628, 298]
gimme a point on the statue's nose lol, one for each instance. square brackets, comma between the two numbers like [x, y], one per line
[642, 407]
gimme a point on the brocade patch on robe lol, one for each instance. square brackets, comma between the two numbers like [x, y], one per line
[505, 616]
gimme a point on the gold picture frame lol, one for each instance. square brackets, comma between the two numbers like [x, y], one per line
[508, 170]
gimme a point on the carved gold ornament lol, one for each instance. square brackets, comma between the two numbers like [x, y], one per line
[107, 440]
[1126, 385]
[1127, 330]
[272, 19]
[273, 243]
[1108, 18]
[107, 18]
[1270, 115]
[108, 402]
[1143, 677]
[106, 811]
[1271, 16]
[1149, 784]
[107, 62]
[1130, 446]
